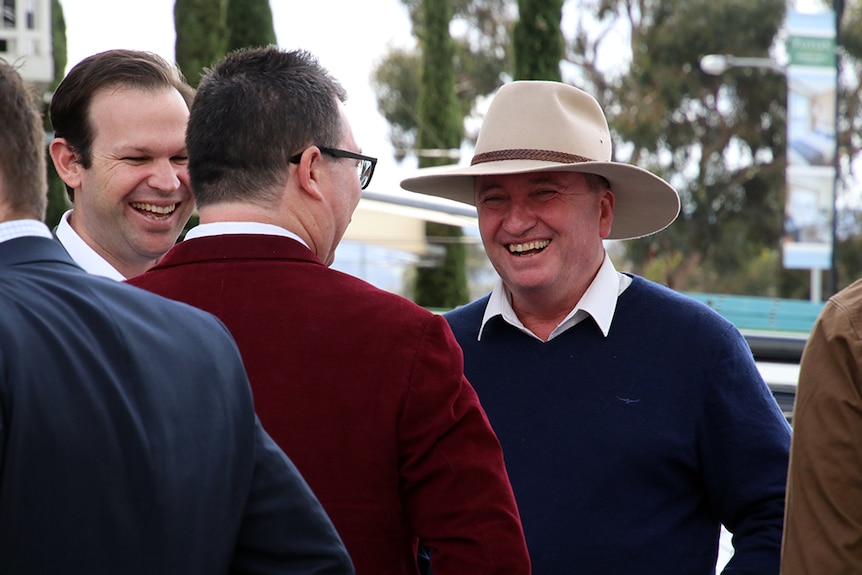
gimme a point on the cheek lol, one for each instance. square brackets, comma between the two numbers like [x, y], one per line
[96, 186]
[486, 233]
[489, 223]
[116, 180]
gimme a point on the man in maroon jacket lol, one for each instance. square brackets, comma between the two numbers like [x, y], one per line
[363, 389]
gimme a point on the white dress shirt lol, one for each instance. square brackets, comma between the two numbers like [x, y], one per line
[598, 302]
[83, 254]
[23, 228]
[222, 228]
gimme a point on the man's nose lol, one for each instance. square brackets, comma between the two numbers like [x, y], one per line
[165, 176]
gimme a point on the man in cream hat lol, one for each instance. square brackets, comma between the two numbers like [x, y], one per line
[633, 419]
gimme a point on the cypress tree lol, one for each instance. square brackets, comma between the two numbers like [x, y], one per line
[440, 127]
[201, 27]
[249, 24]
[209, 29]
[58, 200]
[537, 40]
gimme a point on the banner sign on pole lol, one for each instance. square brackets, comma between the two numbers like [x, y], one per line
[812, 82]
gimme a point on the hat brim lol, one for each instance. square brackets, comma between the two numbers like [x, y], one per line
[643, 203]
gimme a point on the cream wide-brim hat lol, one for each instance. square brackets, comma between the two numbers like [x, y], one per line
[537, 126]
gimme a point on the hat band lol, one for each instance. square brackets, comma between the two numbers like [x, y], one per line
[528, 154]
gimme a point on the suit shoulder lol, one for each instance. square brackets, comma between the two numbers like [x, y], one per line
[363, 294]
[159, 304]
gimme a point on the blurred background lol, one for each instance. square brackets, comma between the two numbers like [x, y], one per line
[762, 148]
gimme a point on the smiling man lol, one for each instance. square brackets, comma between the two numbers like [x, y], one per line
[119, 120]
[633, 419]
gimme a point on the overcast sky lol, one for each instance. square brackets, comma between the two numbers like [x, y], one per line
[348, 36]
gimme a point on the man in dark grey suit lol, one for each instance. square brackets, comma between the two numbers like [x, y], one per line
[128, 440]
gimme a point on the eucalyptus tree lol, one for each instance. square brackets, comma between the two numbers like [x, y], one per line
[720, 140]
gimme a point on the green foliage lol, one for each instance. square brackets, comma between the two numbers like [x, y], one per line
[395, 82]
[481, 64]
[441, 124]
[537, 40]
[440, 127]
[58, 41]
[848, 264]
[249, 24]
[719, 140]
[58, 200]
[245, 22]
[201, 27]
[851, 29]
[443, 284]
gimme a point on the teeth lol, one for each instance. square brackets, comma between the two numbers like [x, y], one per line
[163, 210]
[519, 248]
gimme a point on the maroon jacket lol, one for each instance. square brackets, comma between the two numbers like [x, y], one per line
[365, 392]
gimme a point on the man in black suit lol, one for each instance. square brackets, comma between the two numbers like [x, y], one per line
[128, 439]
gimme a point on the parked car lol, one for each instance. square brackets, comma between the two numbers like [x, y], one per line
[777, 357]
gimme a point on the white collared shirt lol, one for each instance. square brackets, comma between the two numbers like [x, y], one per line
[223, 228]
[598, 302]
[82, 253]
[23, 228]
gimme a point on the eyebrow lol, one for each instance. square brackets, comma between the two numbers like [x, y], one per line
[540, 178]
[147, 150]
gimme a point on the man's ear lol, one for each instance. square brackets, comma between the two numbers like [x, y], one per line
[309, 172]
[606, 218]
[66, 162]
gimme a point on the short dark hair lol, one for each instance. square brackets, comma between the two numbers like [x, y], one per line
[597, 183]
[253, 110]
[22, 147]
[70, 104]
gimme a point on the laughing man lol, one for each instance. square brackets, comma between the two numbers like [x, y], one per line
[119, 120]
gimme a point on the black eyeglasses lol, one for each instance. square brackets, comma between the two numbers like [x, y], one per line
[364, 167]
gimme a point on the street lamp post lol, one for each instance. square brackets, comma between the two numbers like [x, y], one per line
[717, 64]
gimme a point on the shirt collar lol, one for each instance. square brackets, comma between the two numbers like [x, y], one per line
[82, 253]
[21, 228]
[223, 228]
[598, 302]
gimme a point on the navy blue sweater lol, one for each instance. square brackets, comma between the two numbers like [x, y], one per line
[627, 453]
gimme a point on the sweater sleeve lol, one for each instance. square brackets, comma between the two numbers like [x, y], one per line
[453, 479]
[823, 532]
[746, 442]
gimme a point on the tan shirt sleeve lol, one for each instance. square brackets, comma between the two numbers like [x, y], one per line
[823, 517]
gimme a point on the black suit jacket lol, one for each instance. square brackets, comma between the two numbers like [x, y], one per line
[128, 440]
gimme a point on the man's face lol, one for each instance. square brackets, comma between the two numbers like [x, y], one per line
[135, 198]
[543, 231]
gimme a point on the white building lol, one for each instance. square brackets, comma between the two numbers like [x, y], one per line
[25, 38]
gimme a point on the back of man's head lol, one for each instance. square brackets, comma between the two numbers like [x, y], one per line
[23, 179]
[252, 112]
